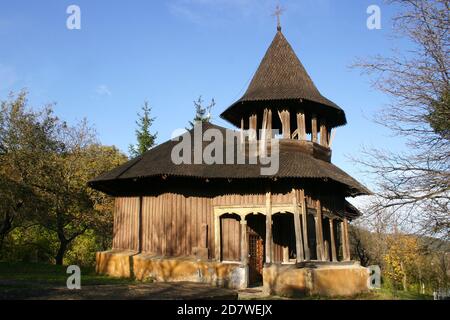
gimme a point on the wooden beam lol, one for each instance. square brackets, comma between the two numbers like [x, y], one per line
[269, 246]
[286, 123]
[305, 224]
[314, 129]
[344, 242]
[253, 123]
[323, 133]
[244, 243]
[242, 132]
[297, 226]
[326, 251]
[217, 242]
[301, 125]
[347, 242]
[333, 241]
[140, 227]
[319, 231]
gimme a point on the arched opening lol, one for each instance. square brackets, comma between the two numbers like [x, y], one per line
[230, 237]
[283, 232]
[256, 231]
[326, 238]
[312, 243]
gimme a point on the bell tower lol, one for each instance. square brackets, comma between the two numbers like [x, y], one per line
[282, 96]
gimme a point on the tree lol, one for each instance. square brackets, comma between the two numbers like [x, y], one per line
[145, 139]
[45, 167]
[23, 145]
[202, 113]
[415, 185]
[360, 244]
[402, 259]
[75, 208]
[99, 159]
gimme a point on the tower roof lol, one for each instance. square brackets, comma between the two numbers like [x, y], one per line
[282, 77]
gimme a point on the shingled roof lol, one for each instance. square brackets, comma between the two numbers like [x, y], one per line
[282, 77]
[157, 162]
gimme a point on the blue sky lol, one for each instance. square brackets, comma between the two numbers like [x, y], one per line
[170, 52]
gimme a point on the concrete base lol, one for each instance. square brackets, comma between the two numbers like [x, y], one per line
[323, 279]
[149, 267]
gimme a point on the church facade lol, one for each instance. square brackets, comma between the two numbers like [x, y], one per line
[226, 223]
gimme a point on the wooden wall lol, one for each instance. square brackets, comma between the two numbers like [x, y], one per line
[171, 224]
[126, 223]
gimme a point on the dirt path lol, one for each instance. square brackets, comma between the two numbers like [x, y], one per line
[10, 289]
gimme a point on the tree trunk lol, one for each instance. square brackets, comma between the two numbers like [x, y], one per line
[405, 287]
[5, 228]
[61, 252]
[2, 239]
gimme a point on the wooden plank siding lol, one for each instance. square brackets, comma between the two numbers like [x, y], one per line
[172, 223]
[231, 238]
[126, 223]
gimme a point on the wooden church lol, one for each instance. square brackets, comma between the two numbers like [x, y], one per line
[229, 225]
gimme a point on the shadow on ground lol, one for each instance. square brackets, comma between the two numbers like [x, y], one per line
[12, 290]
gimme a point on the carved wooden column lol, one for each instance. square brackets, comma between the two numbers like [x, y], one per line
[244, 244]
[269, 246]
[323, 133]
[217, 240]
[347, 240]
[241, 136]
[319, 231]
[301, 125]
[333, 241]
[286, 123]
[345, 244]
[253, 123]
[314, 129]
[297, 226]
[305, 224]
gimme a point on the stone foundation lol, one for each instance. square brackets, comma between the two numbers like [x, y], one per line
[325, 280]
[149, 267]
[115, 263]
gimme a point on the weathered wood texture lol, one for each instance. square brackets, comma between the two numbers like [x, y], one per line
[176, 225]
[172, 224]
[126, 223]
[251, 199]
[230, 238]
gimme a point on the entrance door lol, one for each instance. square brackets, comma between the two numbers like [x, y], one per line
[255, 261]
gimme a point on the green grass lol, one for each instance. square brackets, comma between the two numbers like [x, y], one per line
[24, 274]
[380, 294]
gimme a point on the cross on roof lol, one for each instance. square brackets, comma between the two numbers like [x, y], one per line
[278, 12]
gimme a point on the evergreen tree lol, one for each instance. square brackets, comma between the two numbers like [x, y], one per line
[202, 114]
[145, 139]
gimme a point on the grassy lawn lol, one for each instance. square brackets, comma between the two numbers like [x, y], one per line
[382, 294]
[50, 275]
